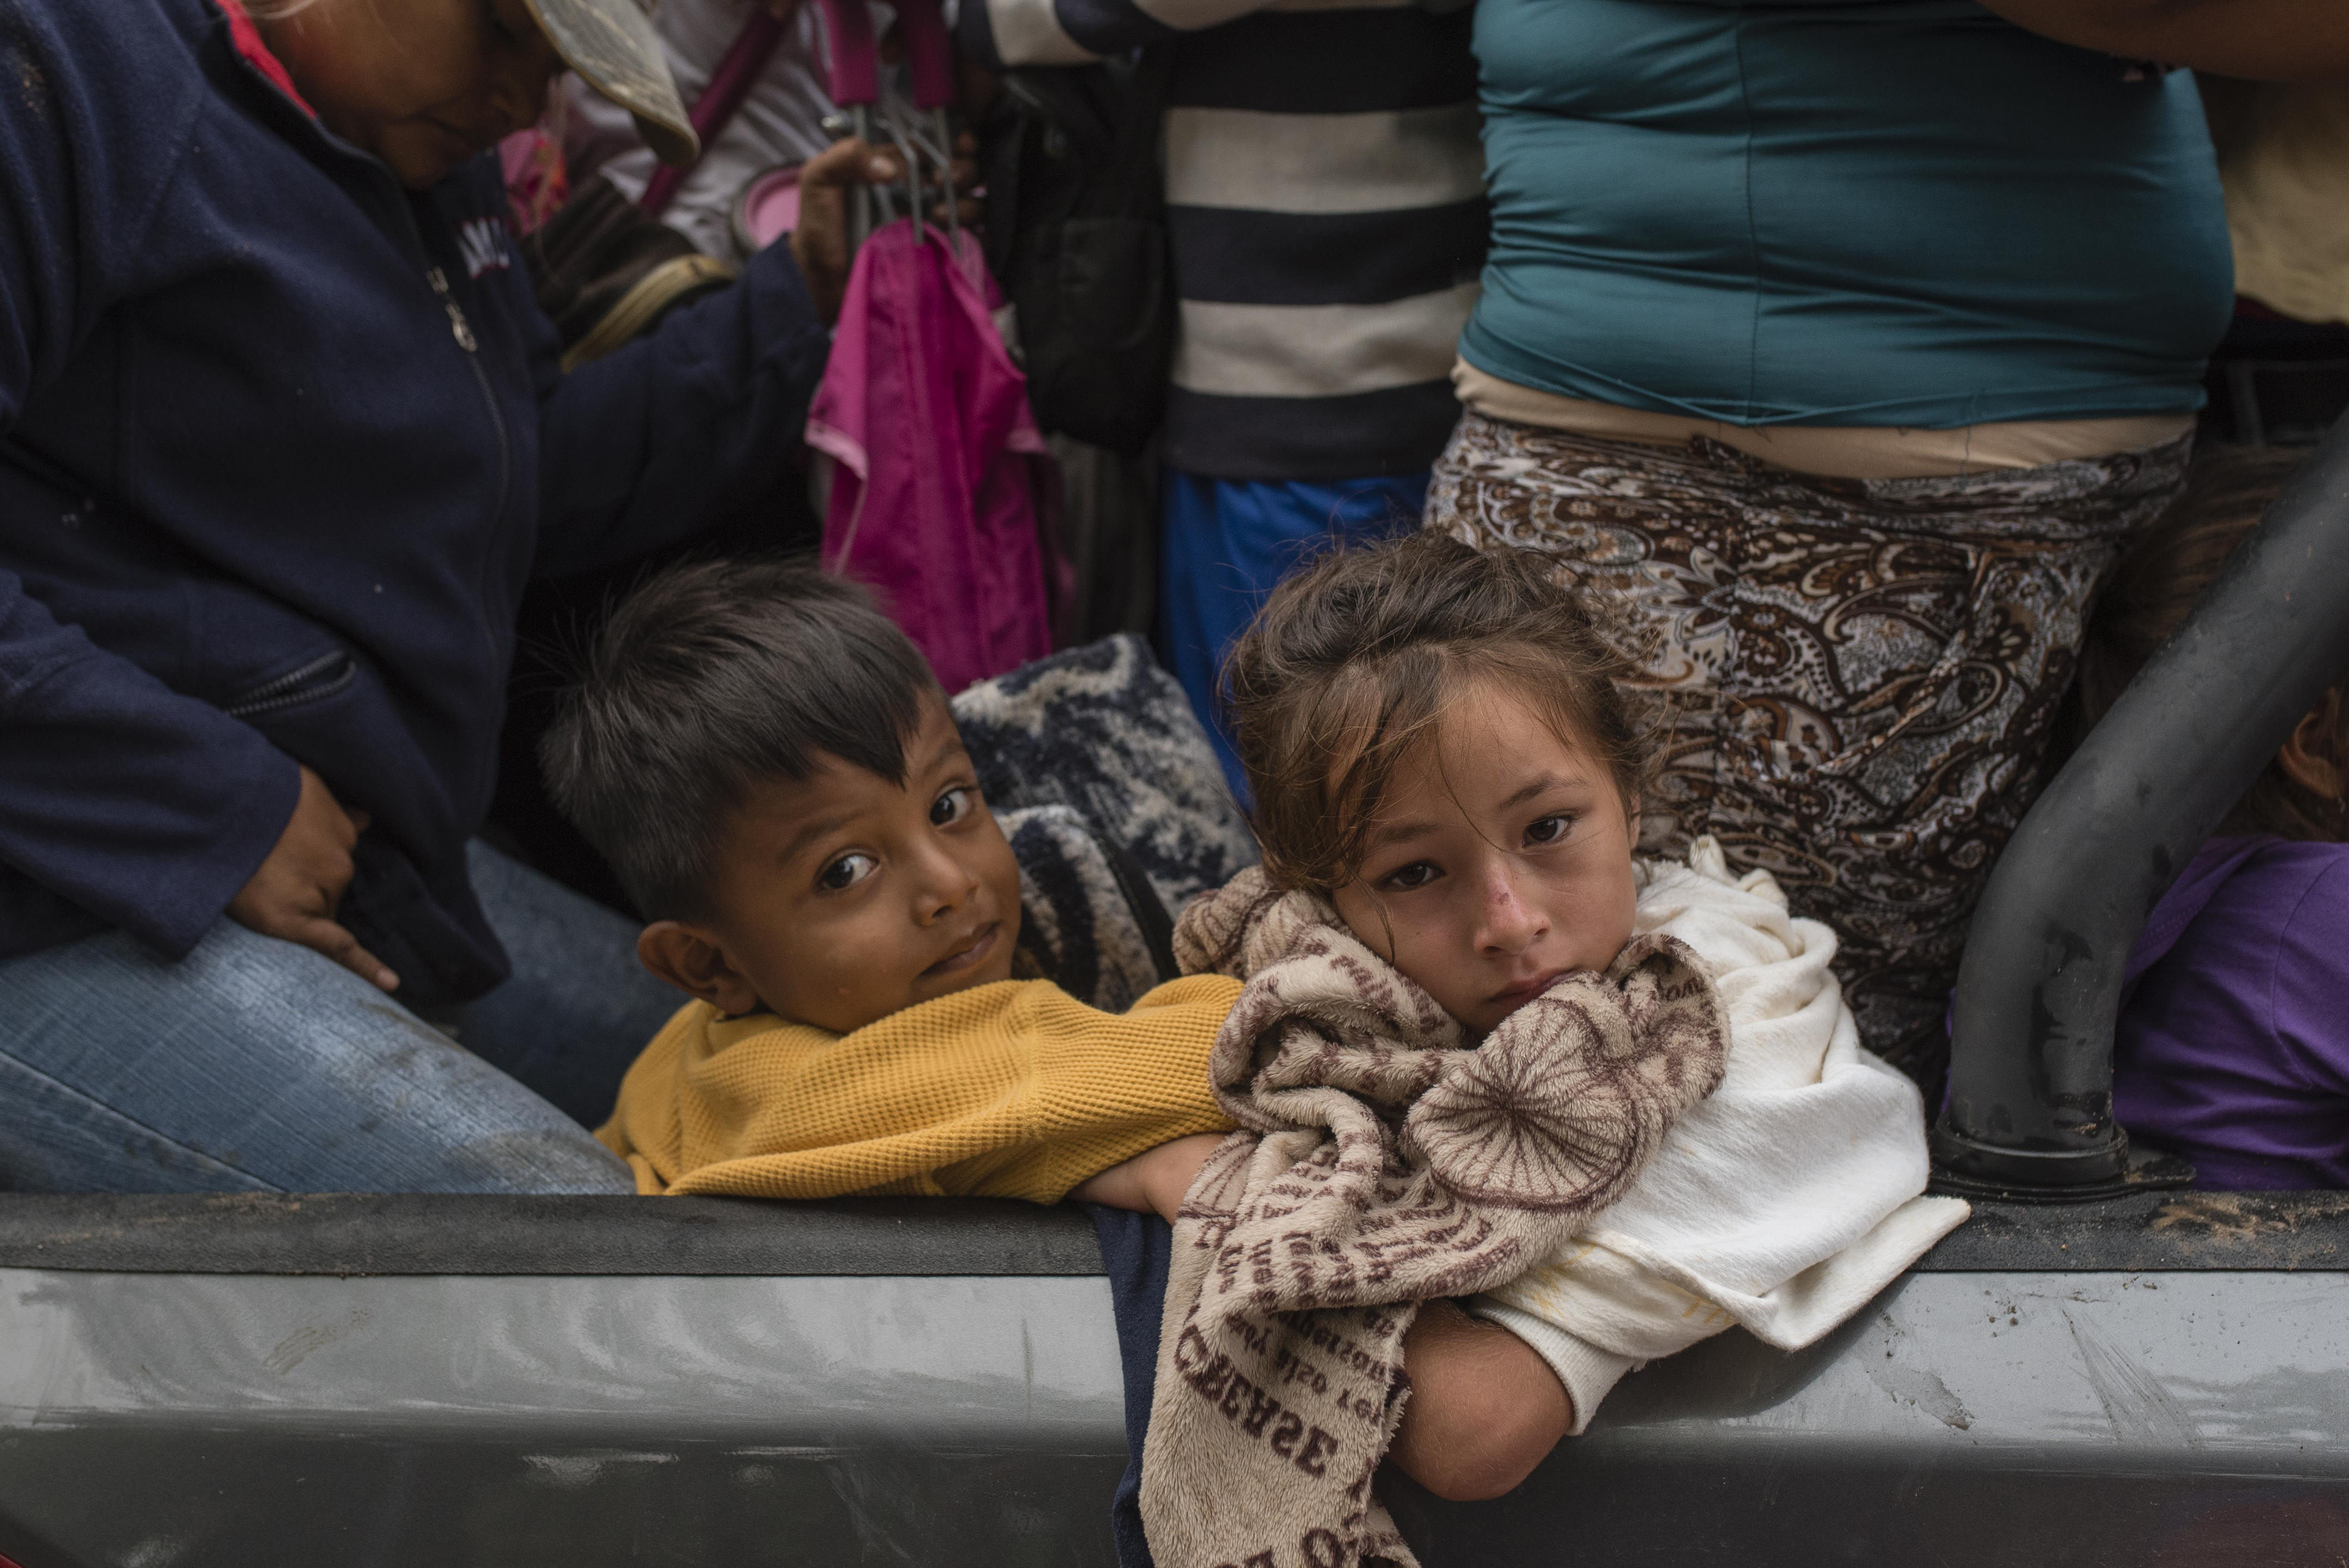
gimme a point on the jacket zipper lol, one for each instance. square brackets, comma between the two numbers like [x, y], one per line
[458, 327]
[462, 330]
[323, 676]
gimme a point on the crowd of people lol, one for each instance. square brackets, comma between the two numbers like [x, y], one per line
[1643, 492]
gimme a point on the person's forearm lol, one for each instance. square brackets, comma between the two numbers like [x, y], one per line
[692, 425]
[2268, 40]
[1485, 1408]
[1119, 1187]
[1153, 1181]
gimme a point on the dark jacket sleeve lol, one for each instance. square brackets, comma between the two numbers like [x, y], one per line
[681, 428]
[147, 809]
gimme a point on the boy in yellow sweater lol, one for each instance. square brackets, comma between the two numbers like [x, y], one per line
[772, 771]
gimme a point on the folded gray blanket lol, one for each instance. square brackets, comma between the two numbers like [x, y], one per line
[1385, 1161]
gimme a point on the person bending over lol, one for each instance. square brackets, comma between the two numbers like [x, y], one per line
[258, 595]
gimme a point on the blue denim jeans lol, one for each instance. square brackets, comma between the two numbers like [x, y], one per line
[253, 1065]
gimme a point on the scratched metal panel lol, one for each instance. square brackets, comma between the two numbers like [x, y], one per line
[460, 1233]
[1985, 1419]
[483, 1233]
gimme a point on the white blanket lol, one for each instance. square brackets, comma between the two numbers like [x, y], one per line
[1784, 1203]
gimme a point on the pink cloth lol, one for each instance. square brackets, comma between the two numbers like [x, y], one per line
[932, 504]
[537, 184]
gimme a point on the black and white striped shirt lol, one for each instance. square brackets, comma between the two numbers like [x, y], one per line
[1324, 192]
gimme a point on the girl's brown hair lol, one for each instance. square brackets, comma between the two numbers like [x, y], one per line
[1350, 662]
[2155, 588]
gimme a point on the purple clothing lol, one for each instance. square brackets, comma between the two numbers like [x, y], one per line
[2233, 1047]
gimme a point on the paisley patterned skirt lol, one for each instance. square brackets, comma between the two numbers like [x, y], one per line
[1853, 678]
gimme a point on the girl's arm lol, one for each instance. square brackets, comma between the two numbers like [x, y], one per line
[2267, 40]
[1484, 1408]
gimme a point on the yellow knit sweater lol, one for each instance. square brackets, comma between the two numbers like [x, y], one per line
[1009, 1090]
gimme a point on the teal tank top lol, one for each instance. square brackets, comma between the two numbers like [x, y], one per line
[1866, 212]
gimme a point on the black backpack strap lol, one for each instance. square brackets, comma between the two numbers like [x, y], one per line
[1133, 169]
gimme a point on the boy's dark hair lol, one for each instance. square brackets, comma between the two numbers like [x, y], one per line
[706, 679]
[2165, 572]
[1350, 663]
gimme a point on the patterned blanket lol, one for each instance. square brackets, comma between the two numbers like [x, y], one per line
[1103, 730]
[1383, 1163]
[1115, 806]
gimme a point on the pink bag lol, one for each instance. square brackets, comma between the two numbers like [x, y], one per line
[932, 502]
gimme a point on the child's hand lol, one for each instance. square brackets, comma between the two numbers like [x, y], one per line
[1154, 1181]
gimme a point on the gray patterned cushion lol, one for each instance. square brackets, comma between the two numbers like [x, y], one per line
[1105, 736]
[1100, 935]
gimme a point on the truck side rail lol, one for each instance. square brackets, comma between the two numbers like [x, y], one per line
[352, 1236]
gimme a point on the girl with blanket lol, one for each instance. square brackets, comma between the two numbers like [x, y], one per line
[1484, 1054]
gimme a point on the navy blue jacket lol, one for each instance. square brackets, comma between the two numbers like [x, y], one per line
[280, 442]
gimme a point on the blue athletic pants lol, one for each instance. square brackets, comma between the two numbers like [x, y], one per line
[1225, 545]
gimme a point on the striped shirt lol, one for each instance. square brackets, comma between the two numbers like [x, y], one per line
[1325, 190]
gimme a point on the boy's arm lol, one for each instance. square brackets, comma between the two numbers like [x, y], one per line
[1153, 1181]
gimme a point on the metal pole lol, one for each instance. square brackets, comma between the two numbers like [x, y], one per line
[859, 195]
[945, 126]
[2030, 1105]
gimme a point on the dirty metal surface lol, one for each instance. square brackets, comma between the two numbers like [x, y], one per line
[1997, 1420]
[916, 1237]
[2149, 1231]
[452, 1233]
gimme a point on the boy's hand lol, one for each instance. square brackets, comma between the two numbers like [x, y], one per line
[1154, 1181]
